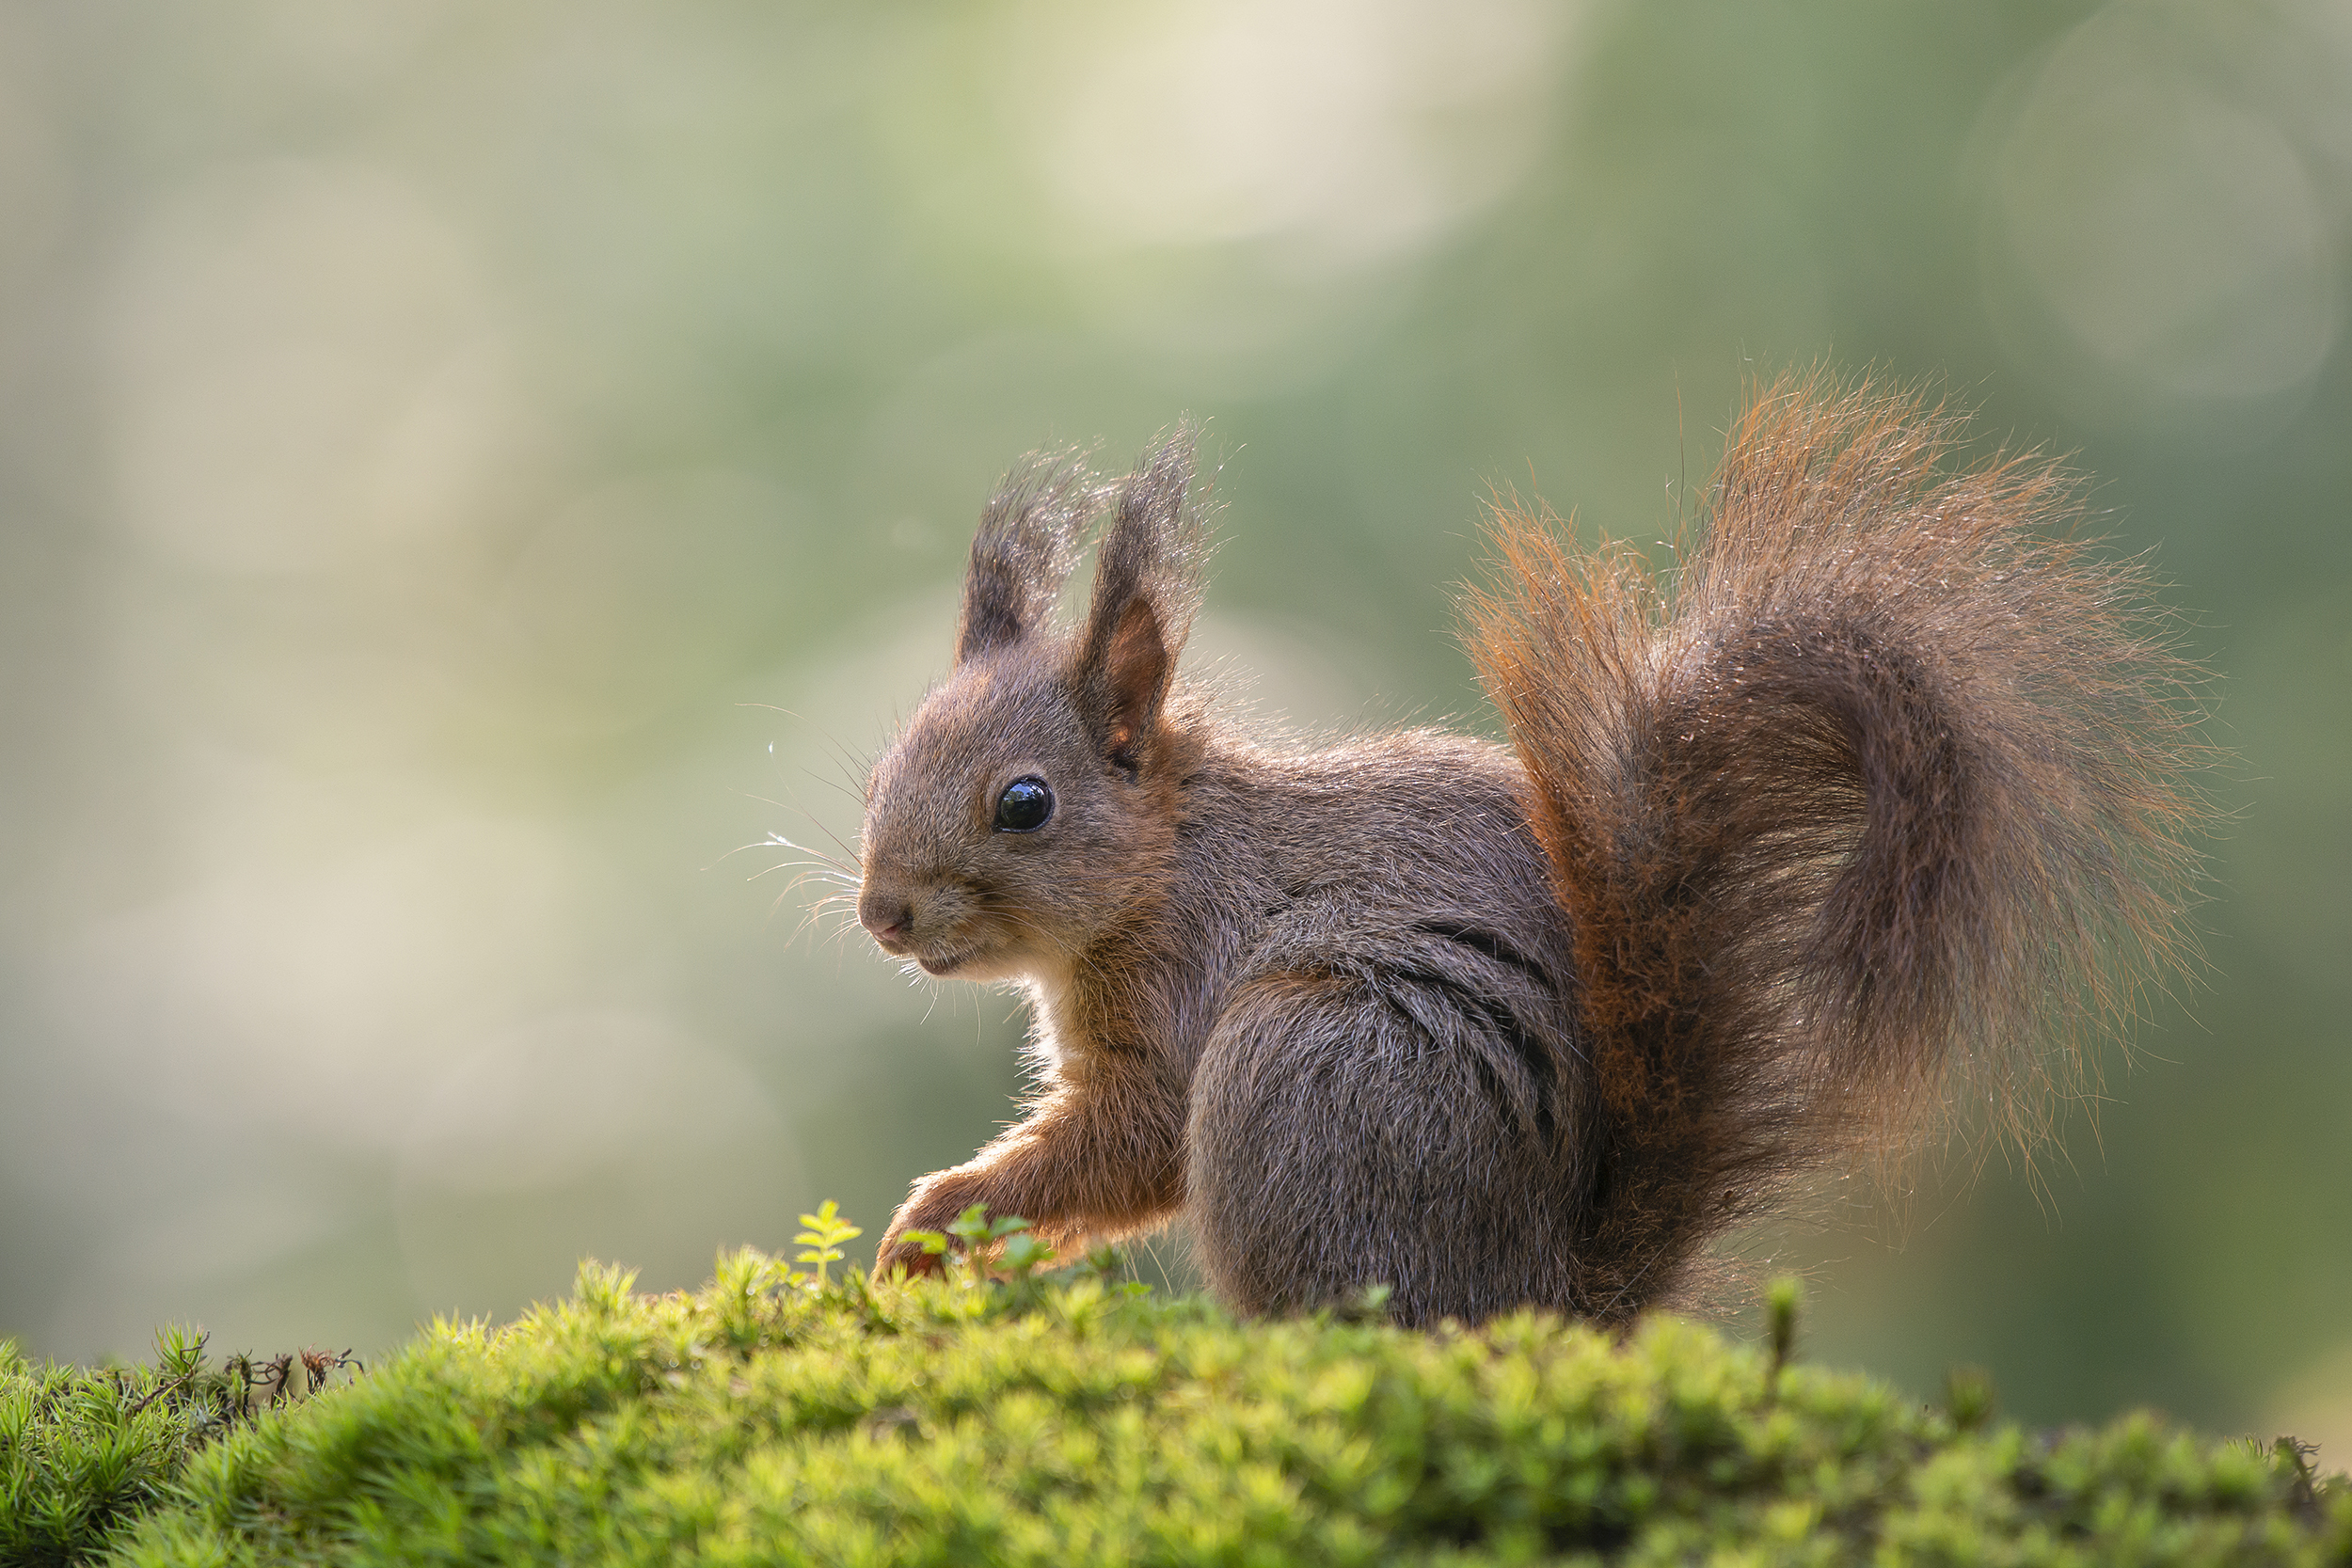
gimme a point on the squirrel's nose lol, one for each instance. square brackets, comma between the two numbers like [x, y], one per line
[889, 917]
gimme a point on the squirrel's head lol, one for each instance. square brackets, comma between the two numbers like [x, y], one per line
[1026, 810]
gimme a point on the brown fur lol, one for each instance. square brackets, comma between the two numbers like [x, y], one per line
[1888, 781]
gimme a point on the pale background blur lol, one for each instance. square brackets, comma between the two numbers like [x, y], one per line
[466, 471]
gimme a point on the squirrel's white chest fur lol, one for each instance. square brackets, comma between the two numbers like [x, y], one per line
[1054, 1036]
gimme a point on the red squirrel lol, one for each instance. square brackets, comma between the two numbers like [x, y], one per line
[1885, 780]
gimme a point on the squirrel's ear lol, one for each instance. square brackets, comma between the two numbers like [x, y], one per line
[1146, 589]
[1021, 555]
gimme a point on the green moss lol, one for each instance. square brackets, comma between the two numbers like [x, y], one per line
[764, 1420]
[82, 1451]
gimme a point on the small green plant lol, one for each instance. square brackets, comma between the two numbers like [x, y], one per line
[932, 1242]
[1023, 1254]
[1968, 1397]
[988, 1245]
[1783, 1300]
[977, 1231]
[826, 1231]
[1367, 1305]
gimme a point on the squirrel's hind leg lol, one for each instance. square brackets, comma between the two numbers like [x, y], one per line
[1346, 1132]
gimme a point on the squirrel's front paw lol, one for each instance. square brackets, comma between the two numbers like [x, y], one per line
[929, 1210]
[897, 1256]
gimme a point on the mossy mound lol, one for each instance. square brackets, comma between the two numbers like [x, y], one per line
[767, 1420]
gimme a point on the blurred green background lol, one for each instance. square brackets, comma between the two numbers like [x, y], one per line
[470, 470]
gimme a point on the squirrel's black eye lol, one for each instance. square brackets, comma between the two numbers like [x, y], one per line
[1023, 807]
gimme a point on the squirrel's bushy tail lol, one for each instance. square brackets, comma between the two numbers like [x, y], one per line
[1886, 778]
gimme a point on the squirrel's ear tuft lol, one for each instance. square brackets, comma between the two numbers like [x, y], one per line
[1147, 587]
[1028, 541]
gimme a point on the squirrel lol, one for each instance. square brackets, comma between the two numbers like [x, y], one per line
[1888, 778]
